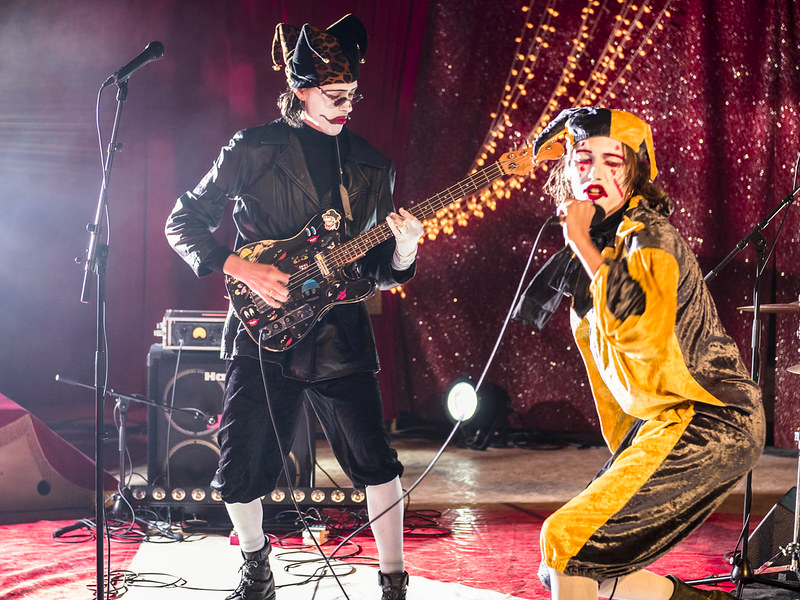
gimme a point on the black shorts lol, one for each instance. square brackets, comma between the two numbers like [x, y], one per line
[349, 408]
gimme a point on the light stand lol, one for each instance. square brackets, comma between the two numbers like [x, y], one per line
[742, 572]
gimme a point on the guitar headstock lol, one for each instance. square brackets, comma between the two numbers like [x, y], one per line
[519, 162]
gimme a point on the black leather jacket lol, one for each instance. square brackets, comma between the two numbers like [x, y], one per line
[264, 171]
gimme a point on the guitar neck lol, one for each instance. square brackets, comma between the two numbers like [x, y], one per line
[360, 244]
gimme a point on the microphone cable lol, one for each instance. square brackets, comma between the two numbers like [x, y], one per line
[437, 456]
[286, 472]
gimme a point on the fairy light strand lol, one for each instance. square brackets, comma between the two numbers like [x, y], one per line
[596, 87]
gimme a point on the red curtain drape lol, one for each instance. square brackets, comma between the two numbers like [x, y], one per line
[215, 78]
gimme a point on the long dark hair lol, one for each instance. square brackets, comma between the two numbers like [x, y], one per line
[291, 108]
[637, 183]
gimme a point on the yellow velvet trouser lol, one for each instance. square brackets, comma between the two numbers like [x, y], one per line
[667, 477]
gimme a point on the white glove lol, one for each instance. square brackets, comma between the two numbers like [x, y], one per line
[407, 231]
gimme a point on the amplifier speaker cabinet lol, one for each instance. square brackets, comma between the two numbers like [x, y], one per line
[182, 449]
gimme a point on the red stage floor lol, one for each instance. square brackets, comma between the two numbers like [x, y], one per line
[488, 549]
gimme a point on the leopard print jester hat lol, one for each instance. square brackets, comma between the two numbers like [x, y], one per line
[312, 57]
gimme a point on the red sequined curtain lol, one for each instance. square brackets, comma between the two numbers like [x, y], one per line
[720, 86]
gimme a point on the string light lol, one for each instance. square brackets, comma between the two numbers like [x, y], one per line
[595, 87]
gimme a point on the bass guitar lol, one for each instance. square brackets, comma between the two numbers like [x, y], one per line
[318, 258]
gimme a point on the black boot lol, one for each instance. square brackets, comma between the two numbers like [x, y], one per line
[393, 585]
[257, 582]
[687, 592]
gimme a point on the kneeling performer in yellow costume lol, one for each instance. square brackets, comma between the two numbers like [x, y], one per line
[676, 405]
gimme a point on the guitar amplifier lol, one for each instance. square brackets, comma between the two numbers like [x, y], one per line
[191, 329]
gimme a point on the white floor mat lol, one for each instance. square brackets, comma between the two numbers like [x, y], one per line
[207, 568]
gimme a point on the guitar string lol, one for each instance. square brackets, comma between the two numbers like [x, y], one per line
[343, 254]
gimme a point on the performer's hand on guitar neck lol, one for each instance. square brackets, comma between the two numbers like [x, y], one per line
[407, 230]
[267, 281]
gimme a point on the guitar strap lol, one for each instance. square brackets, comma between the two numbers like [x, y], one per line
[342, 190]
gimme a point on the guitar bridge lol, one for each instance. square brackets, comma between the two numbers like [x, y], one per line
[298, 315]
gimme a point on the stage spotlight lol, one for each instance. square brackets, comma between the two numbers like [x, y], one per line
[483, 414]
[461, 401]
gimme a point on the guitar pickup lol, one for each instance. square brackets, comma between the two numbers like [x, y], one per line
[323, 266]
[298, 315]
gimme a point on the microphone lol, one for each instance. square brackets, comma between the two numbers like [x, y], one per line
[153, 51]
[599, 217]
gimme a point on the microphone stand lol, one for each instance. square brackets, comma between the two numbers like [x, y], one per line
[96, 262]
[123, 495]
[742, 572]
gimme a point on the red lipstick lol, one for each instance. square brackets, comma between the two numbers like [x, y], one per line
[595, 192]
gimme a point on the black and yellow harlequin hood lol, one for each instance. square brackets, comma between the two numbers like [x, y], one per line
[578, 124]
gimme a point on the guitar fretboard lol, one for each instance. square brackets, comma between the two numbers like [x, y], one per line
[358, 246]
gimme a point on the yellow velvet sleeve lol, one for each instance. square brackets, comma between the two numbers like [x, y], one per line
[643, 336]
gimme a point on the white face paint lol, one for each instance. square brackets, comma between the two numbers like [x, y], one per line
[596, 171]
[320, 111]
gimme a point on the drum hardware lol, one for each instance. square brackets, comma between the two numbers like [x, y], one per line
[789, 307]
[792, 549]
[742, 573]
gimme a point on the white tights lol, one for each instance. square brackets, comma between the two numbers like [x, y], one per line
[639, 585]
[246, 518]
[388, 529]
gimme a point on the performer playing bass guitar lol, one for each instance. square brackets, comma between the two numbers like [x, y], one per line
[280, 176]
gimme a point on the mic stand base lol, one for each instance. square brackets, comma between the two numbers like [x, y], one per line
[121, 511]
